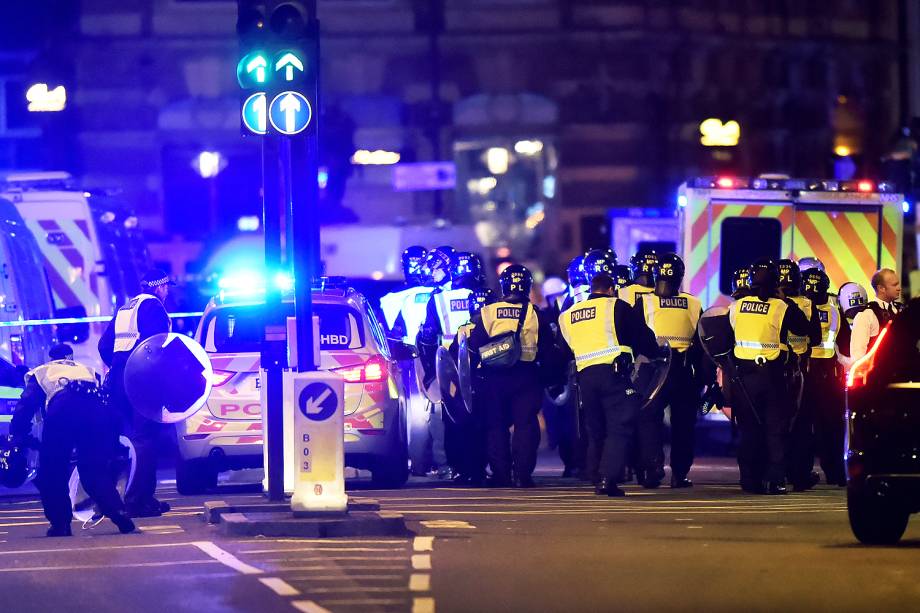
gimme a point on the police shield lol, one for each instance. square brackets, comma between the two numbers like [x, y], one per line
[168, 377]
[449, 384]
[465, 370]
[716, 335]
[431, 392]
[84, 508]
[648, 376]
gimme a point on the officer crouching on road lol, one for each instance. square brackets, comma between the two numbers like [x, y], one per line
[142, 317]
[762, 323]
[603, 333]
[66, 395]
[509, 337]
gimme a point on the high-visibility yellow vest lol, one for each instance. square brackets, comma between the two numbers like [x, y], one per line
[502, 317]
[589, 329]
[628, 294]
[799, 344]
[54, 376]
[758, 325]
[464, 331]
[127, 332]
[672, 318]
[829, 314]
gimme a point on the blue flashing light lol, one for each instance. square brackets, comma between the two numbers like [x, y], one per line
[249, 283]
[905, 206]
[681, 201]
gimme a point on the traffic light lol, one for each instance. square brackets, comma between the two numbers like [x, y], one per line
[277, 70]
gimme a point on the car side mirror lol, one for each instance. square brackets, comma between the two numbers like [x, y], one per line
[401, 352]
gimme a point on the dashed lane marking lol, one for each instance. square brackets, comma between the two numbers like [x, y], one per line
[279, 586]
[423, 605]
[106, 566]
[318, 549]
[419, 583]
[422, 543]
[333, 558]
[226, 558]
[308, 606]
[350, 602]
[421, 561]
[447, 524]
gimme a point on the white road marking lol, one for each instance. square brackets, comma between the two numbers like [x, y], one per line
[351, 576]
[154, 528]
[421, 561]
[107, 566]
[279, 586]
[317, 549]
[24, 523]
[365, 601]
[423, 543]
[694, 527]
[226, 558]
[329, 541]
[144, 546]
[423, 605]
[420, 583]
[308, 606]
[356, 588]
[447, 524]
[338, 567]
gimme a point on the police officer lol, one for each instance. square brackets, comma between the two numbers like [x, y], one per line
[741, 283]
[641, 265]
[404, 309]
[142, 317]
[800, 455]
[622, 276]
[578, 288]
[853, 299]
[66, 394]
[762, 323]
[823, 396]
[603, 334]
[510, 336]
[672, 315]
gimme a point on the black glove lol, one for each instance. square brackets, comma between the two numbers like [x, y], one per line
[712, 398]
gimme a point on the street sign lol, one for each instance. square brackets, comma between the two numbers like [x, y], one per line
[287, 62]
[424, 176]
[254, 114]
[317, 401]
[290, 113]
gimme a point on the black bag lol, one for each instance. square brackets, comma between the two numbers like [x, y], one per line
[504, 351]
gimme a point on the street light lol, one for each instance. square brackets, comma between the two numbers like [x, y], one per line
[209, 164]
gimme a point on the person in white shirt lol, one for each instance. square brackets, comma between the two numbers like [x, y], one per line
[869, 322]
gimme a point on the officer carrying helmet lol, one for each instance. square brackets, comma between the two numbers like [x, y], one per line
[66, 395]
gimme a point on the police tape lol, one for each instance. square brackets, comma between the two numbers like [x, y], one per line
[80, 320]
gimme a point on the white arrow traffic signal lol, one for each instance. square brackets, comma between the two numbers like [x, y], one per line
[258, 64]
[289, 62]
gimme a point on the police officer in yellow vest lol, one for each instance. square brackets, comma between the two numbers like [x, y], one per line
[509, 337]
[142, 317]
[762, 323]
[642, 265]
[604, 334]
[823, 397]
[66, 395]
[800, 454]
[672, 315]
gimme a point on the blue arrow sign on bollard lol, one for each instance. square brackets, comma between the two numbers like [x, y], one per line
[318, 402]
[254, 113]
[290, 112]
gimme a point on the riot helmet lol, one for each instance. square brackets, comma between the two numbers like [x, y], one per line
[576, 271]
[815, 285]
[515, 280]
[741, 283]
[14, 470]
[611, 256]
[465, 270]
[668, 274]
[552, 286]
[437, 266]
[595, 263]
[853, 298]
[480, 297]
[807, 263]
[764, 278]
[413, 265]
[641, 265]
[790, 277]
[622, 276]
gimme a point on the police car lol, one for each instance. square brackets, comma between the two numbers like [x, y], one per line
[226, 433]
[883, 432]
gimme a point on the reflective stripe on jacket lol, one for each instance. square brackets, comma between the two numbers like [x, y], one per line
[502, 317]
[590, 331]
[758, 325]
[799, 344]
[829, 315]
[54, 376]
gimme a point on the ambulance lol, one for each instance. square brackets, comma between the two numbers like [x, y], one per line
[725, 223]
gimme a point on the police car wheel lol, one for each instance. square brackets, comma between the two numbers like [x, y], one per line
[875, 520]
[390, 472]
[195, 476]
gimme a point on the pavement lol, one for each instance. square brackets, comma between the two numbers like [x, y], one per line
[557, 547]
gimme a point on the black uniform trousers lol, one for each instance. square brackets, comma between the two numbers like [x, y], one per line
[763, 428]
[824, 399]
[512, 398]
[681, 393]
[77, 421]
[610, 405]
[465, 440]
[566, 428]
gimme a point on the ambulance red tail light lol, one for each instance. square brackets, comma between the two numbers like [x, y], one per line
[17, 350]
[858, 374]
[725, 182]
[865, 186]
[220, 377]
[372, 371]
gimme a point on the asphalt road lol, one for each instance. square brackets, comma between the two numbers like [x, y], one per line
[554, 548]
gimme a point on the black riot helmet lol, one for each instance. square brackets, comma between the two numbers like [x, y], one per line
[413, 265]
[790, 277]
[741, 283]
[465, 270]
[622, 276]
[764, 278]
[515, 280]
[611, 256]
[668, 274]
[480, 297]
[437, 266]
[576, 271]
[641, 265]
[596, 263]
[815, 285]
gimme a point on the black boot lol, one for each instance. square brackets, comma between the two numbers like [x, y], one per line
[680, 482]
[62, 530]
[606, 487]
[775, 488]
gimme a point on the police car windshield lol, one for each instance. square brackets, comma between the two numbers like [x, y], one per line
[238, 329]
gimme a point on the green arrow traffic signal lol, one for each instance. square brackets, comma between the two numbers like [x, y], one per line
[289, 62]
[252, 70]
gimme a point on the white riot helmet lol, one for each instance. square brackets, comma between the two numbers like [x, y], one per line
[807, 263]
[553, 286]
[852, 296]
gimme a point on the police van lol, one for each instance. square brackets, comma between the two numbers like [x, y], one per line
[226, 433]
